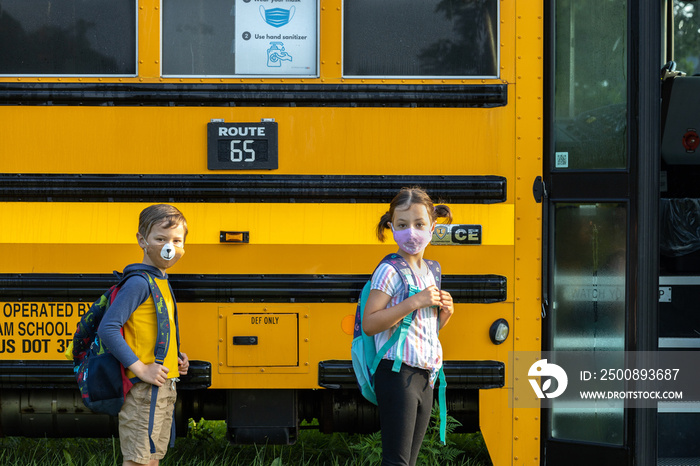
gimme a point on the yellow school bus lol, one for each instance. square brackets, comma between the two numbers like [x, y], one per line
[282, 144]
[282, 129]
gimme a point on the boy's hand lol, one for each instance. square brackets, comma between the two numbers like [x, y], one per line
[154, 373]
[183, 364]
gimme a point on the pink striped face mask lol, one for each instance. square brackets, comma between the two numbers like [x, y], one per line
[412, 241]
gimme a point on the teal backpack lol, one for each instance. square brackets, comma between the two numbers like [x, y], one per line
[366, 357]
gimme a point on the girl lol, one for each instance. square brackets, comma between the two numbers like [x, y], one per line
[405, 398]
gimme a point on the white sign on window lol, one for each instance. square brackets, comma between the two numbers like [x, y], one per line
[561, 160]
[276, 37]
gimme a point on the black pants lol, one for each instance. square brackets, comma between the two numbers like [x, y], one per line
[405, 400]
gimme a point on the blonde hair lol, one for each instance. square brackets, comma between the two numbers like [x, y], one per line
[406, 198]
[160, 213]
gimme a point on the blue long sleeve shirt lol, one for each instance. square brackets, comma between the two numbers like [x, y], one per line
[134, 292]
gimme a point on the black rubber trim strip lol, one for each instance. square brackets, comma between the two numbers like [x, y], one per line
[255, 95]
[339, 374]
[25, 288]
[31, 374]
[486, 189]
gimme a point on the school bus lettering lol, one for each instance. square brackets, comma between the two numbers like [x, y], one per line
[7, 346]
[264, 320]
[82, 308]
[44, 328]
[242, 131]
[63, 345]
[47, 327]
[465, 235]
[39, 345]
[7, 328]
[25, 310]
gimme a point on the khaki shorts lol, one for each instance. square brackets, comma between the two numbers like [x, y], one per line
[133, 422]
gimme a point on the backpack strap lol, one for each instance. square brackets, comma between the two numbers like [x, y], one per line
[162, 341]
[161, 349]
[402, 332]
[177, 324]
[442, 381]
[399, 336]
[162, 320]
[435, 269]
[173, 433]
[442, 403]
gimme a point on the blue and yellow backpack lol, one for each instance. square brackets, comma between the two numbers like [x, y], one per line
[366, 357]
[101, 378]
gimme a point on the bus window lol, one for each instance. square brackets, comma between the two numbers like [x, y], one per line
[590, 80]
[220, 38]
[421, 38]
[71, 37]
[686, 37]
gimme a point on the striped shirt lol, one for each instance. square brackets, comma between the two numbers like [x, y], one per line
[422, 347]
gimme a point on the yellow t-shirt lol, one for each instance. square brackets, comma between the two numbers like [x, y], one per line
[140, 331]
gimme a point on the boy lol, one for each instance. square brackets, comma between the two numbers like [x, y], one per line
[161, 234]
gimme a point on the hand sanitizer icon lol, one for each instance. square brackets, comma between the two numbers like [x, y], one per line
[276, 54]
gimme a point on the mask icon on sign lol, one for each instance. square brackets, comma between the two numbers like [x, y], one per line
[277, 17]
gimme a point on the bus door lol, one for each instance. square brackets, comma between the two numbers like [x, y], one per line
[590, 170]
[677, 436]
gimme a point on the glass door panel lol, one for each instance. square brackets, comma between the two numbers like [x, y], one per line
[588, 307]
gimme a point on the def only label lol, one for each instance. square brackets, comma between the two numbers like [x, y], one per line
[242, 146]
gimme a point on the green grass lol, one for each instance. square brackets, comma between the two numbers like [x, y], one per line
[206, 445]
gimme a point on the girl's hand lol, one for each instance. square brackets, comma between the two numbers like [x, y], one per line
[447, 307]
[427, 298]
[378, 317]
[183, 364]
